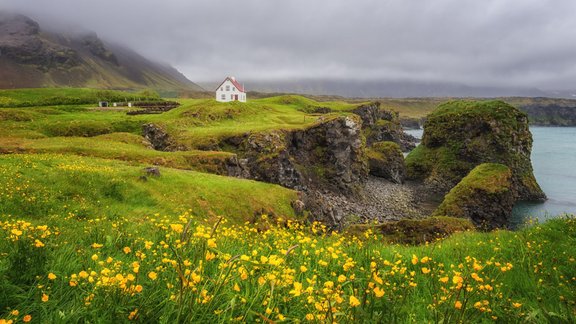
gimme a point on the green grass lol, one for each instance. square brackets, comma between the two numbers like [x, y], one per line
[168, 268]
[67, 96]
[44, 185]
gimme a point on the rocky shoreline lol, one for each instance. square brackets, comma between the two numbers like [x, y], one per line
[381, 201]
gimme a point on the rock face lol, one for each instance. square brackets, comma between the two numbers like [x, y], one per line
[327, 156]
[486, 196]
[385, 160]
[383, 125]
[159, 139]
[460, 135]
[20, 41]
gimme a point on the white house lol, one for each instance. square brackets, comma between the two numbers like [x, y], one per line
[230, 90]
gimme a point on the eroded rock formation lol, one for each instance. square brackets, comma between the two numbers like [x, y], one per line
[460, 135]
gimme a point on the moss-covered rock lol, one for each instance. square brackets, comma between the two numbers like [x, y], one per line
[385, 160]
[417, 231]
[383, 125]
[486, 196]
[460, 135]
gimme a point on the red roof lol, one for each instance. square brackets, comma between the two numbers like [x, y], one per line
[234, 82]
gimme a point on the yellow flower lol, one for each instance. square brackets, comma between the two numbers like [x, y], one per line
[94, 257]
[133, 314]
[38, 243]
[51, 276]
[444, 279]
[354, 301]
[96, 245]
[425, 259]
[138, 288]
[44, 298]
[127, 249]
[211, 243]
[15, 312]
[458, 305]
[152, 275]
[516, 305]
[236, 287]
[178, 228]
[341, 278]
[303, 269]
[83, 274]
[378, 292]
[309, 317]
[26, 318]
[414, 259]
[425, 270]
[16, 232]
[210, 256]
[457, 279]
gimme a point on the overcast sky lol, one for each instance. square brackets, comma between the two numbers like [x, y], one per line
[478, 42]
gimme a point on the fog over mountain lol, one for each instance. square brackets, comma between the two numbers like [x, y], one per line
[409, 46]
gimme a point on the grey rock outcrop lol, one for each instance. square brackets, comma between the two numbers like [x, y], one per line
[326, 156]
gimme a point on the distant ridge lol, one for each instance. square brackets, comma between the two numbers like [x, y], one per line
[32, 57]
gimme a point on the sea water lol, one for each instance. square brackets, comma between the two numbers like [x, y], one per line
[554, 163]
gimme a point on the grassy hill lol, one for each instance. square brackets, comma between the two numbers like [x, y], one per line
[85, 238]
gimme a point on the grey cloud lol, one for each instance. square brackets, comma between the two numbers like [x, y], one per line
[492, 42]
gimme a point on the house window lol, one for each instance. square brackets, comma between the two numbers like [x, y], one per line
[227, 88]
[223, 97]
[221, 88]
[233, 89]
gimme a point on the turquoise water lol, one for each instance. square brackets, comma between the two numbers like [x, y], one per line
[554, 162]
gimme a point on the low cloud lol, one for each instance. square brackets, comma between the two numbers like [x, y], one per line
[527, 43]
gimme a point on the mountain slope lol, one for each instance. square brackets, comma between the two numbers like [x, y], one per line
[33, 57]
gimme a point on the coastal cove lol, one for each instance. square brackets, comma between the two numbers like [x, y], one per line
[553, 153]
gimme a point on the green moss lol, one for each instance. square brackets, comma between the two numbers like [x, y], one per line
[384, 151]
[486, 179]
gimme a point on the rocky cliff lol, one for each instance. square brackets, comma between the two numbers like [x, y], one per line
[326, 156]
[460, 135]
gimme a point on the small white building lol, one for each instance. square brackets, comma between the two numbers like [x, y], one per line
[230, 90]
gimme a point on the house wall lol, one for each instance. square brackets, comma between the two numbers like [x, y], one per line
[227, 90]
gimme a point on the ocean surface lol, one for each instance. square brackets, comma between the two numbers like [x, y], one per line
[554, 162]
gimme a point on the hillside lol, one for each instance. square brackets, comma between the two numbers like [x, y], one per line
[87, 234]
[33, 57]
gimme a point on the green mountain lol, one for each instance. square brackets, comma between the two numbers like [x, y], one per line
[33, 57]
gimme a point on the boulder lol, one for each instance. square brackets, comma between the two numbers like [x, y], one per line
[486, 196]
[416, 231]
[461, 135]
[385, 160]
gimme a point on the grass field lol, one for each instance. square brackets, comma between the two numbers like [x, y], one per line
[84, 238]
